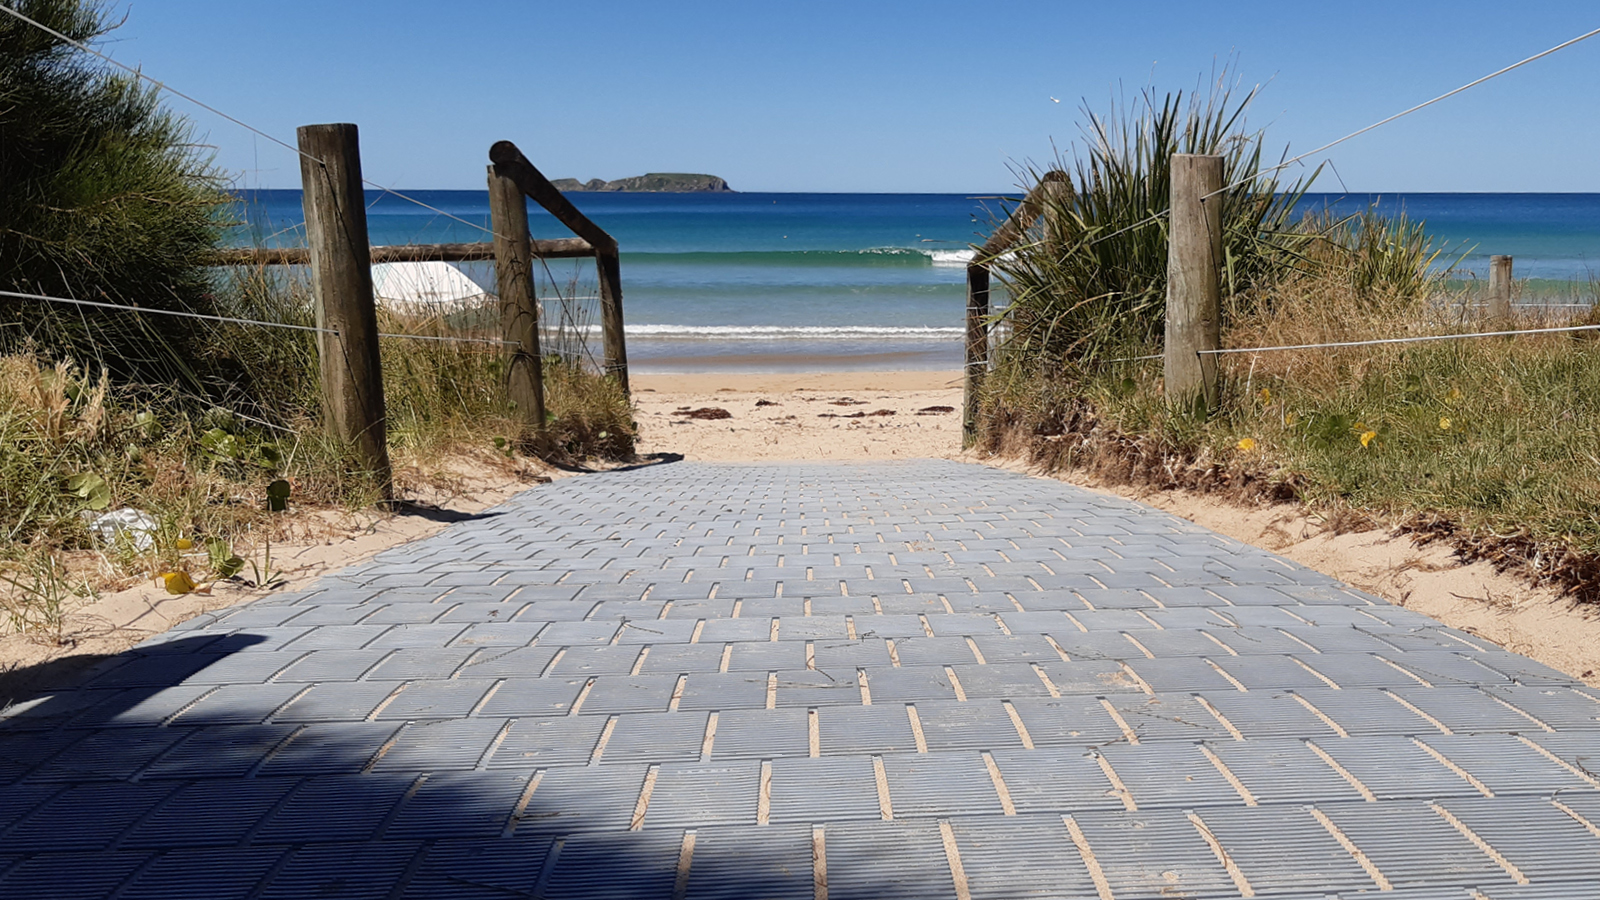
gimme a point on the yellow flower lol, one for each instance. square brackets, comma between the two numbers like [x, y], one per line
[185, 544]
[1453, 395]
[1247, 444]
[1358, 427]
[1367, 437]
[1266, 395]
[1290, 418]
[1444, 423]
[178, 582]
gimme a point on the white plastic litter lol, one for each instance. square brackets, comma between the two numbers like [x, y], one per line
[424, 287]
[131, 525]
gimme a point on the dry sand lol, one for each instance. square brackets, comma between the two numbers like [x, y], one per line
[828, 417]
[1500, 607]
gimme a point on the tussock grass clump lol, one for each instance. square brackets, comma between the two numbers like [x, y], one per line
[1088, 282]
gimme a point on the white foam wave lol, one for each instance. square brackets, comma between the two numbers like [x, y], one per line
[793, 332]
[951, 257]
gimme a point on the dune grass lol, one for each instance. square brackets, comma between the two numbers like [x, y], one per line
[1089, 280]
[1488, 442]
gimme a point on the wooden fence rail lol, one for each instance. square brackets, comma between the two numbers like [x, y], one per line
[511, 164]
[1005, 238]
[340, 256]
[562, 248]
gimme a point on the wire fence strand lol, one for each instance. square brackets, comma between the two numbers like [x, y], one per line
[1228, 351]
[161, 85]
[1420, 106]
[1401, 340]
[235, 320]
[1156, 217]
[180, 313]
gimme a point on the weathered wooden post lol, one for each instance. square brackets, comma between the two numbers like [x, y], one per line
[608, 266]
[341, 282]
[509, 162]
[977, 362]
[519, 311]
[1499, 288]
[1194, 280]
[1005, 237]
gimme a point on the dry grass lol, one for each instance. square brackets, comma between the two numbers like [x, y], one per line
[75, 444]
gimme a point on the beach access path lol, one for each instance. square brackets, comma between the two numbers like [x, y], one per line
[914, 679]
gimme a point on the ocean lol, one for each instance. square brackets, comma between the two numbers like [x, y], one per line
[794, 282]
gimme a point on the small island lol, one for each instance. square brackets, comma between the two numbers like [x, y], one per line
[655, 182]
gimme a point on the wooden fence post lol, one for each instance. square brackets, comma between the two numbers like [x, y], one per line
[977, 349]
[341, 280]
[608, 266]
[519, 311]
[510, 162]
[1194, 280]
[1499, 288]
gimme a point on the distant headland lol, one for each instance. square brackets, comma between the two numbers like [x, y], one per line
[658, 182]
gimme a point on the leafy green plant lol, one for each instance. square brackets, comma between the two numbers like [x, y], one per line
[222, 559]
[221, 445]
[91, 489]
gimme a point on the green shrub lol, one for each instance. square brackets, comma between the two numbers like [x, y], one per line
[103, 196]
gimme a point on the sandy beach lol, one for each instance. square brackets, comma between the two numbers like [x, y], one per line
[811, 416]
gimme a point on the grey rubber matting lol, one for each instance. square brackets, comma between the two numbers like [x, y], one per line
[918, 679]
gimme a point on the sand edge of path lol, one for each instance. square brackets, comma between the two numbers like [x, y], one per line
[112, 622]
[1501, 607]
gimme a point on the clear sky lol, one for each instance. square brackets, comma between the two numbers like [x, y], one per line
[868, 95]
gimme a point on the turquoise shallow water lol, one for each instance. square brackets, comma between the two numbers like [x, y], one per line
[779, 281]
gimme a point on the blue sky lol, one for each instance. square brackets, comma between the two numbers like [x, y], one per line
[870, 95]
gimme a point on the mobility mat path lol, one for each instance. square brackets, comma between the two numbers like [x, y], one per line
[903, 680]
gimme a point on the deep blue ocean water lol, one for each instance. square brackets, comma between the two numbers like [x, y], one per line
[773, 281]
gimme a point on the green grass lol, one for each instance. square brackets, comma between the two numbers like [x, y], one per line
[1497, 435]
